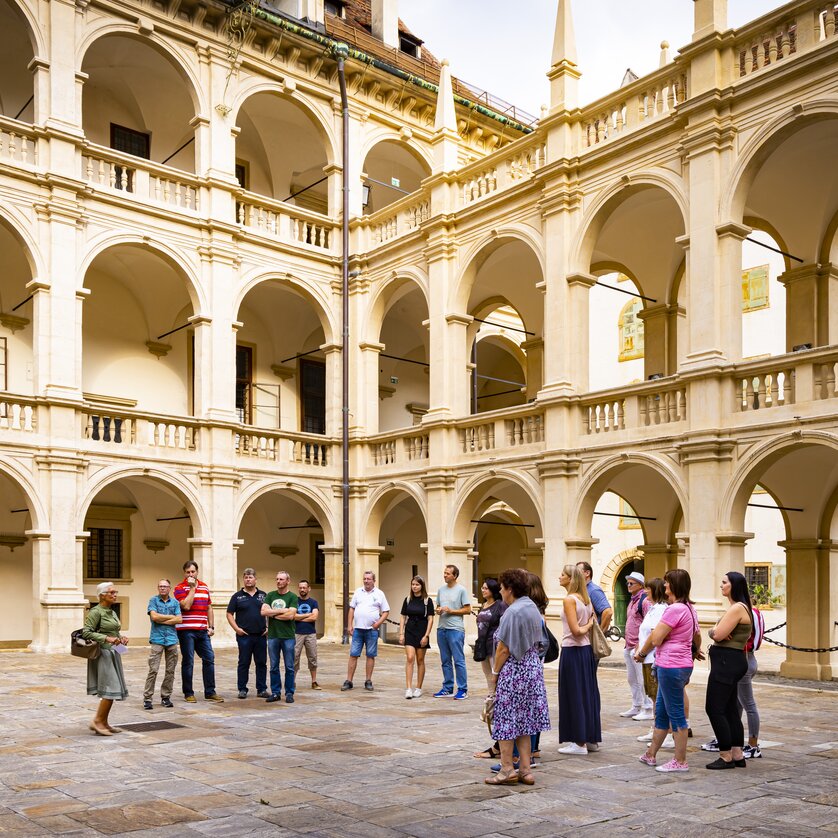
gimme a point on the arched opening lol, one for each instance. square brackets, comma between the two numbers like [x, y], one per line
[391, 170]
[635, 233]
[17, 91]
[396, 531]
[17, 363]
[403, 368]
[502, 525]
[763, 296]
[16, 568]
[616, 333]
[800, 483]
[284, 530]
[798, 224]
[136, 351]
[506, 344]
[281, 152]
[281, 369]
[138, 533]
[137, 102]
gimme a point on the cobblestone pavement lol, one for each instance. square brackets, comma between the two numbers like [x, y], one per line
[376, 765]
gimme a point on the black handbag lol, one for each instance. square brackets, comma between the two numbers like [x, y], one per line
[81, 648]
[552, 646]
[480, 649]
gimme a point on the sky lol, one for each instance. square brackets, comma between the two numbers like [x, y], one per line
[509, 54]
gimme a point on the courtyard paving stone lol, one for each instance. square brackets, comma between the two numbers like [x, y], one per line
[379, 766]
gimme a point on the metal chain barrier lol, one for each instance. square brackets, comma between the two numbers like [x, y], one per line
[796, 648]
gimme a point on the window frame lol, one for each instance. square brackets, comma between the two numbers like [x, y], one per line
[110, 517]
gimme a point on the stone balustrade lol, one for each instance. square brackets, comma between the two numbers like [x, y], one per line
[108, 428]
[109, 170]
[275, 219]
[18, 142]
[400, 449]
[18, 414]
[635, 406]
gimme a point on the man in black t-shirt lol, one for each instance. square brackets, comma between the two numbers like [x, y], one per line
[245, 618]
[306, 631]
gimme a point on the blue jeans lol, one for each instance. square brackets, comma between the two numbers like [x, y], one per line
[193, 642]
[669, 707]
[451, 644]
[252, 647]
[286, 646]
[361, 638]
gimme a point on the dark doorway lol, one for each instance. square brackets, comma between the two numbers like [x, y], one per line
[313, 396]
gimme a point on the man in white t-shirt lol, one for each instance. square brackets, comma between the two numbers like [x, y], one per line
[368, 609]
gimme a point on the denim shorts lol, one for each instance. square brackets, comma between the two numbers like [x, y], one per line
[669, 706]
[361, 638]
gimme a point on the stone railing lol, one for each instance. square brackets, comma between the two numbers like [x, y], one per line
[634, 105]
[285, 222]
[782, 34]
[106, 427]
[399, 448]
[18, 142]
[765, 386]
[18, 413]
[397, 219]
[514, 164]
[283, 446]
[634, 406]
[501, 430]
[109, 170]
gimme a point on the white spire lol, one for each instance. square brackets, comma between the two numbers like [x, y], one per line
[446, 140]
[446, 116]
[564, 73]
[564, 40]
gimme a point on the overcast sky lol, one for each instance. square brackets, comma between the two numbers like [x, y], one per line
[504, 46]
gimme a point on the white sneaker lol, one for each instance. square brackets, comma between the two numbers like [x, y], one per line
[643, 716]
[573, 748]
[627, 714]
[408, 693]
[668, 744]
[417, 692]
[646, 737]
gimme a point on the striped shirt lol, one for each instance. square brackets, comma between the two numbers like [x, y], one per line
[194, 619]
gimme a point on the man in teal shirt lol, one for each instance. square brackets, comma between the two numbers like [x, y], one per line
[452, 603]
[164, 613]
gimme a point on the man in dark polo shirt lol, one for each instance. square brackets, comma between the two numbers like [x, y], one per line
[244, 614]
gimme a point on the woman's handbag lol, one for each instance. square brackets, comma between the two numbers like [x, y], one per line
[487, 714]
[599, 644]
[480, 649]
[552, 646]
[81, 648]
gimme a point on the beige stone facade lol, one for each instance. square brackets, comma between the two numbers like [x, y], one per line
[170, 309]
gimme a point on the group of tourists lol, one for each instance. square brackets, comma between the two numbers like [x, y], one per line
[662, 642]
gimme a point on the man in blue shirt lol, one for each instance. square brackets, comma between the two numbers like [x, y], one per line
[308, 609]
[602, 607]
[244, 614]
[164, 613]
[452, 604]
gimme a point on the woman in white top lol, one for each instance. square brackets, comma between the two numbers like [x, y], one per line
[656, 594]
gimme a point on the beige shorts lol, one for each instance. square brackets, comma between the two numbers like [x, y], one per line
[309, 641]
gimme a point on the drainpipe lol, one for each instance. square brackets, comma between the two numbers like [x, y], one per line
[340, 52]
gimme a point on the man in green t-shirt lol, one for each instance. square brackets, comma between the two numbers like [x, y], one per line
[280, 607]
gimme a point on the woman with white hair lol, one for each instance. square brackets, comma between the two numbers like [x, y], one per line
[105, 677]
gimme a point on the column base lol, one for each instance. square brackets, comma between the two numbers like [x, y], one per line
[55, 623]
[803, 671]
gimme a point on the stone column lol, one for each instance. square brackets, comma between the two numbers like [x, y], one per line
[334, 398]
[658, 558]
[579, 287]
[333, 622]
[656, 338]
[811, 305]
[811, 607]
[367, 395]
[534, 349]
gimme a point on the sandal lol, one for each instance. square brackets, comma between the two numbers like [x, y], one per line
[526, 779]
[500, 779]
[489, 753]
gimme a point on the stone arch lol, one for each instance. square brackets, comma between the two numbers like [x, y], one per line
[309, 498]
[254, 86]
[176, 483]
[18, 228]
[381, 135]
[310, 292]
[173, 257]
[608, 578]
[383, 298]
[382, 500]
[33, 28]
[37, 509]
[169, 50]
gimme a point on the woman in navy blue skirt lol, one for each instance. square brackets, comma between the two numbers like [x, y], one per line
[579, 704]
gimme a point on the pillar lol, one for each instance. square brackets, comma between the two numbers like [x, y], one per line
[811, 305]
[366, 396]
[579, 288]
[657, 321]
[810, 607]
[658, 558]
[534, 350]
[333, 622]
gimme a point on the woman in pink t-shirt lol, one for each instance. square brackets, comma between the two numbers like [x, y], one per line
[677, 640]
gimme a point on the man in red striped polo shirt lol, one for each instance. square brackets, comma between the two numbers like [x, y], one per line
[194, 633]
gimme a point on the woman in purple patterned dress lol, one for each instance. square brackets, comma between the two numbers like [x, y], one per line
[520, 696]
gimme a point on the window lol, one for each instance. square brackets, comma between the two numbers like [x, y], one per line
[408, 46]
[313, 396]
[631, 331]
[129, 141]
[758, 574]
[318, 574]
[334, 7]
[755, 288]
[244, 383]
[242, 174]
[104, 553]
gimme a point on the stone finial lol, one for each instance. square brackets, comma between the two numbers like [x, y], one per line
[446, 115]
[665, 56]
[564, 74]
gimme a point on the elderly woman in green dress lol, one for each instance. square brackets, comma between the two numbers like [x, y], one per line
[105, 677]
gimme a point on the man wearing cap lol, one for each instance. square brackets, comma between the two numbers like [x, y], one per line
[641, 704]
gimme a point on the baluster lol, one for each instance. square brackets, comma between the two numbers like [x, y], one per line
[12, 145]
[830, 21]
[16, 417]
[106, 425]
[117, 430]
[94, 424]
[28, 418]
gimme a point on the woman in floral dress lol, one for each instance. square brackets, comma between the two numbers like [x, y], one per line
[520, 696]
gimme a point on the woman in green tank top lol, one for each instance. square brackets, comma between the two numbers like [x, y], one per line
[728, 665]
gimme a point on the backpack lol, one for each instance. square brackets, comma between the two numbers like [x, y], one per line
[640, 604]
[755, 640]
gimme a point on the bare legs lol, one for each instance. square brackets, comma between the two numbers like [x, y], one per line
[680, 737]
[410, 660]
